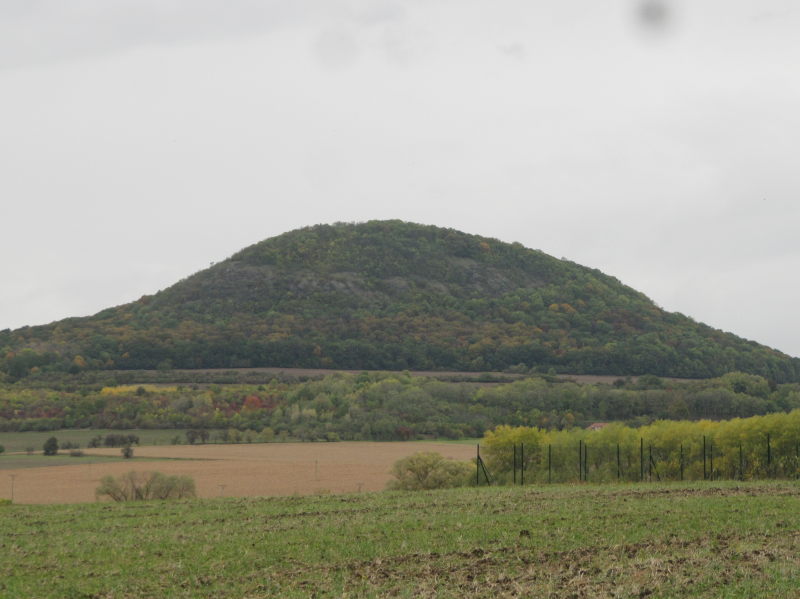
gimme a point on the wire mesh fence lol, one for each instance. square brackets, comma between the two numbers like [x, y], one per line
[686, 460]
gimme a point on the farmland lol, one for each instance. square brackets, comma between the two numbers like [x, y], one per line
[246, 470]
[667, 540]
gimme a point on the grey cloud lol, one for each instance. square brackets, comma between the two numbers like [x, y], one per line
[50, 31]
[381, 13]
[514, 50]
[336, 48]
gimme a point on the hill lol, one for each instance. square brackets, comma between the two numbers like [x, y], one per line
[391, 295]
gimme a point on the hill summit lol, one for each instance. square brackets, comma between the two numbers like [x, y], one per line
[392, 295]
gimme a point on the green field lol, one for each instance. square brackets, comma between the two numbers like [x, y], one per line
[14, 441]
[698, 540]
[19, 461]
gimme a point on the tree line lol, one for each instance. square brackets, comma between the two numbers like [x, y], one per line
[387, 406]
[741, 448]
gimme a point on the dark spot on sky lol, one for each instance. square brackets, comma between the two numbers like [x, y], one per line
[653, 14]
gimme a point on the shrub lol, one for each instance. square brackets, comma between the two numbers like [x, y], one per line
[428, 470]
[2, 449]
[140, 486]
[120, 440]
[502, 442]
[5, 502]
[50, 446]
[76, 453]
[127, 452]
[193, 436]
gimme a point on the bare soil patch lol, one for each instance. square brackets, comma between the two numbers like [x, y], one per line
[234, 470]
[631, 570]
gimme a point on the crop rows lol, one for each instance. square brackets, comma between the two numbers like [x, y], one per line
[710, 540]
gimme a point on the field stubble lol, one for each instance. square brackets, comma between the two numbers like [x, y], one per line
[247, 470]
[736, 540]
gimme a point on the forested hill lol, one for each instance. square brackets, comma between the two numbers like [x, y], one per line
[391, 295]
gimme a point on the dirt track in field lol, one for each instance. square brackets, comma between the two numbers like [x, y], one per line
[234, 470]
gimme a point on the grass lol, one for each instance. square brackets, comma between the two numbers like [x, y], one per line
[37, 460]
[735, 540]
[15, 441]
[467, 441]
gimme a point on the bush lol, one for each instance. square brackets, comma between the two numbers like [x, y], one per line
[2, 449]
[127, 452]
[76, 453]
[50, 446]
[428, 470]
[140, 486]
[120, 440]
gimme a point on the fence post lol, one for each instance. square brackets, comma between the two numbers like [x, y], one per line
[481, 466]
[549, 463]
[619, 465]
[521, 463]
[478, 467]
[580, 460]
[514, 463]
[681, 461]
[705, 471]
[650, 462]
[769, 457]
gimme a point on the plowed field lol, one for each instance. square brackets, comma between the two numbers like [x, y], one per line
[234, 470]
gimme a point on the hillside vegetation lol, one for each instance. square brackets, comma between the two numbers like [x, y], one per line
[381, 406]
[390, 295]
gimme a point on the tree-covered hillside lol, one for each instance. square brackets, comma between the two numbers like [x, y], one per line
[379, 406]
[392, 295]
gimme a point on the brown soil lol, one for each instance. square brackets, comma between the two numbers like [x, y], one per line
[235, 470]
[630, 570]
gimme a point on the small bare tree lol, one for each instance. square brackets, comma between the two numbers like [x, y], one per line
[141, 486]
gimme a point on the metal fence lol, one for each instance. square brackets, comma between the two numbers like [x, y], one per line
[693, 459]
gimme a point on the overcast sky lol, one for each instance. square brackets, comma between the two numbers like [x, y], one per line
[141, 140]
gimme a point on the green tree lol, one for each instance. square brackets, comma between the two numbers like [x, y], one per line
[501, 443]
[50, 446]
